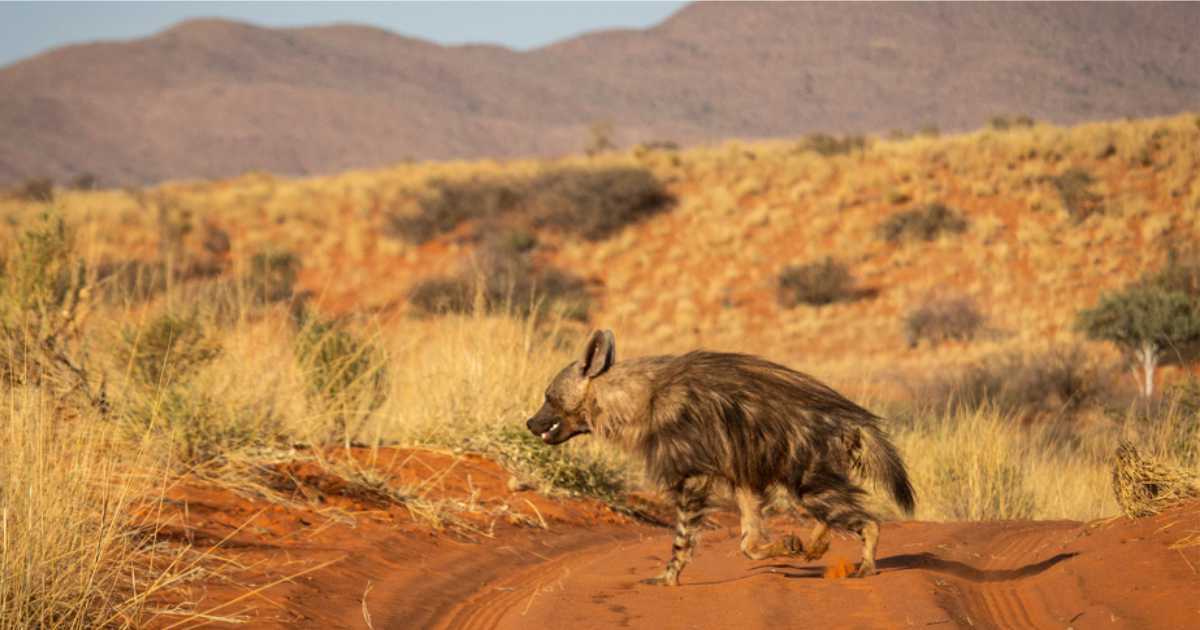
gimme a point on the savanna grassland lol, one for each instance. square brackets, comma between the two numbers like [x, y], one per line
[276, 339]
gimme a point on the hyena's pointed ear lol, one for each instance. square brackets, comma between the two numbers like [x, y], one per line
[599, 354]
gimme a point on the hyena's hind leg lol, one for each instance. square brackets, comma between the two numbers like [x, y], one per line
[691, 499]
[835, 502]
[755, 541]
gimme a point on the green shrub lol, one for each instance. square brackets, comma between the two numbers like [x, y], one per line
[43, 290]
[816, 284]
[167, 351]
[199, 427]
[925, 223]
[554, 468]
[943, 319]
[346, 376]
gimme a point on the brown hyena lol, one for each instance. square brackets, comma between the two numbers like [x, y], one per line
[706, 418]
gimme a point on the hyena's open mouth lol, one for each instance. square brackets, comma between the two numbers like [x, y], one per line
[553, 430]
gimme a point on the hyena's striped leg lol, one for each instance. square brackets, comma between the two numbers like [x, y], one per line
[834, 501]
[691, 498]
[818, 542]
[756, 544]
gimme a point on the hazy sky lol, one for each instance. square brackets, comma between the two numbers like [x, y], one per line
[27, 28]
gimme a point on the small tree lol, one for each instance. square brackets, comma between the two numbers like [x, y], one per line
[1147, 322]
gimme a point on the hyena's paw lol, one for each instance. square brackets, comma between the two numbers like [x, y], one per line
[665, 579]
[816, 549]
[792, 546]
[865, 569]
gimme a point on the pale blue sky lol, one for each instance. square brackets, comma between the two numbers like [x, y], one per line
[27, 28]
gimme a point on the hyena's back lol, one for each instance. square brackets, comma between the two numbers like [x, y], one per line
[756, 423]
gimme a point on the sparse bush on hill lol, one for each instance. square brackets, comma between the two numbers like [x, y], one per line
[591, 202]
[1004, 123]
[925, 223]
[827, 145]
[816, 284]
[943, 319]
[84, 181]
[560, 469]
[600, 137]
[346, 376]
[1074, 189]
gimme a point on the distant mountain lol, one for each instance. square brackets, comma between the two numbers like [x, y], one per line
[213, 98]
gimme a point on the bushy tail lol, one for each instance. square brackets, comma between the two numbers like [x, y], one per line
[882, 464]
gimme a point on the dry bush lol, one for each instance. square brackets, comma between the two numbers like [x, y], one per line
[925, 224]
[816, 284]
[1144, 486]
[1054, 382]
[35, 189]
[590, 202]
[943, 319]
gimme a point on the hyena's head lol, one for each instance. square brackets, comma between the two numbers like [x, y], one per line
[567, 410]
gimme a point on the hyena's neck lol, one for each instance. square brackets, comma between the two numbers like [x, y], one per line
[622, 400]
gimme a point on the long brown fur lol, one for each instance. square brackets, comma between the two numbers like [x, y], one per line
[704, 419]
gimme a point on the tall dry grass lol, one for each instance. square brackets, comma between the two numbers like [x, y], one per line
[71, 554]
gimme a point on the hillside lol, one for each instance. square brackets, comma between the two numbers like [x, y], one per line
[706, 271]
[212, 98]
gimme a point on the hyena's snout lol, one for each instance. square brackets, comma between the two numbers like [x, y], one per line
[553, 428]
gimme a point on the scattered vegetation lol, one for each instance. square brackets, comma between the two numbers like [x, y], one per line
[943, 319]
[925, 223]
[556, 469]
[816, 284]
[35, 189]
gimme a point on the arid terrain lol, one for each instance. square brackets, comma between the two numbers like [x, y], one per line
[299, 402]
[212, 98]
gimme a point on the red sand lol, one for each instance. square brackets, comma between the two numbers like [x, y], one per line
[583, 571]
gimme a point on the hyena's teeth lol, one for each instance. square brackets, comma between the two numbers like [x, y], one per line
[554, 427]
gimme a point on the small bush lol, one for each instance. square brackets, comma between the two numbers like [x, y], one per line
[84, 181]
[199, 427]
[816, 283]
[167, 351]
[346, 376]
[943, 319]
[1074, 189]
[925, 223]
[130, 281]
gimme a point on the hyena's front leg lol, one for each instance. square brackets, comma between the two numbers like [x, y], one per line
[691, 497]
[755, 542]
